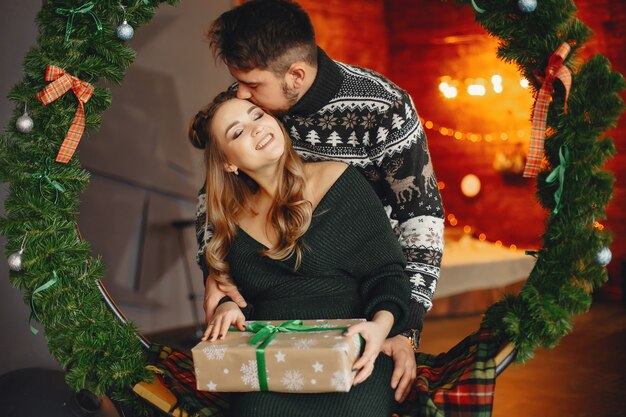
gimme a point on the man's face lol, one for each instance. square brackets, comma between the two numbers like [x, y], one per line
[265, 89]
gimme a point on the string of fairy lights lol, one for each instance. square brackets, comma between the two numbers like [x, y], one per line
[449, 89]
[460, 135]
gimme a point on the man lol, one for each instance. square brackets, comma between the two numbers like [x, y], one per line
[339, 112]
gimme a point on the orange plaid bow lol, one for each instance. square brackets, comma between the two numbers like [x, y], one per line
[555, 70]
[62, 82]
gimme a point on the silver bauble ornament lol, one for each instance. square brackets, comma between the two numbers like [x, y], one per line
[24, 123]
[603, 257]
[527, 6]
[15, 261]
[125, 31]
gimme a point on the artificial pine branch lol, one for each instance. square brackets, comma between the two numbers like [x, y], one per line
[104, 355]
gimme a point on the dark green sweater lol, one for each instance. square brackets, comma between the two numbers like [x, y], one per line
[352, 266]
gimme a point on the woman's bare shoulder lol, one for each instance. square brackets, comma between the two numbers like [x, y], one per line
[327, 172]
[322, 176]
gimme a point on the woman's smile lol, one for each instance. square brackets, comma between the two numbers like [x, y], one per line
[264, 142]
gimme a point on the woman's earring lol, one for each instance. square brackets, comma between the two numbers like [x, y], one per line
[236, 171]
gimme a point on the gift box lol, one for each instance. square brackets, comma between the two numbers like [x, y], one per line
[303, 356]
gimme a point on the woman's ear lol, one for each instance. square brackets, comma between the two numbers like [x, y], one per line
[228, 167]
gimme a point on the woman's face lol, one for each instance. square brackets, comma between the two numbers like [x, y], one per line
[249, 138]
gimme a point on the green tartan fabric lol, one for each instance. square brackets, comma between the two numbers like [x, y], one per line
[458, 383]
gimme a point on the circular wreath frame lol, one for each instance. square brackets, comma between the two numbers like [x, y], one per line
[104, 354]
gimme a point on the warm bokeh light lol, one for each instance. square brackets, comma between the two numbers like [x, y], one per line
[496, 79]
[441, 185]
[497, 88]
[467, 229]
[450, 92]
[498, 243]
[482, 237]
[523, 83]
[428, 125]
[513, 247]
[470, 185]
[476, 90]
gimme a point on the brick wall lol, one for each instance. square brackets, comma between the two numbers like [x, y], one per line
[414, 44]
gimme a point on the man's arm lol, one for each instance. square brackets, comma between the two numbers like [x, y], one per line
[413, 200]
[213, 291]
[203, 233]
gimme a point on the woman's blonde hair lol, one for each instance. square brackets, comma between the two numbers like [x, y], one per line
[229, 195]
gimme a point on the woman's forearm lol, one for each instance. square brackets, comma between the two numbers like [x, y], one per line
[385, 319]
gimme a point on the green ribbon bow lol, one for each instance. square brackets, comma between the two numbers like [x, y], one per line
[45, 176]
[84, 9]
[559, 174]
[265, 332]
[39, 290]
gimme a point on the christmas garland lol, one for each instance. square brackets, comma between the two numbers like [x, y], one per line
[80, 43]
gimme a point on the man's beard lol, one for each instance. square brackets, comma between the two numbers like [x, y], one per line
[291, 95]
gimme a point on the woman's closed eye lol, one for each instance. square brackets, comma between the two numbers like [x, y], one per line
[237, 132]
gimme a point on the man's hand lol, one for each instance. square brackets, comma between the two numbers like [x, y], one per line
[404, 366]
[214, 292]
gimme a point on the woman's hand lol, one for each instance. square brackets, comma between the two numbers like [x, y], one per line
[226, 315]
[214, 292]
[404, 366]
[374, 333]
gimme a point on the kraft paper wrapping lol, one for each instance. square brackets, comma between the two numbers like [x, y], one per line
[298, 362]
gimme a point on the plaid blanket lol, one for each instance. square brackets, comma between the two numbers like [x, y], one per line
[458, 383]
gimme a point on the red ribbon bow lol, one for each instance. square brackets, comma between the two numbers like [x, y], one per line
[62, 82]
[555, 70]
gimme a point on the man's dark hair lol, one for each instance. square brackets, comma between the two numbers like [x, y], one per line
[264, 34]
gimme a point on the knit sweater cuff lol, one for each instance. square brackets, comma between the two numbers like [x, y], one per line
[417, 311]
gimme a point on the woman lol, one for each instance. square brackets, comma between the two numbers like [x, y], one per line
[301, 241]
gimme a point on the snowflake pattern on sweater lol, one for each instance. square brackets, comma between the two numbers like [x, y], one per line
[357, 116]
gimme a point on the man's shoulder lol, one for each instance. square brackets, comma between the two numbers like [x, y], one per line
[363, 80]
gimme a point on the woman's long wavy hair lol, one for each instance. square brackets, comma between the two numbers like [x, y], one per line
[229, 195]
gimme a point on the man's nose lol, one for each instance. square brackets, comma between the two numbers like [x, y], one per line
[243, 92]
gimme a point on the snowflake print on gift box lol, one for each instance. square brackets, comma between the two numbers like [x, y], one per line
[304, 343]
[250, 374]
[215, 352]
[293, 381]
[342, 347]
[341, 380]
[356, 342]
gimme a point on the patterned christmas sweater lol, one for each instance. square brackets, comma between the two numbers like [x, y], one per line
[357, 116]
